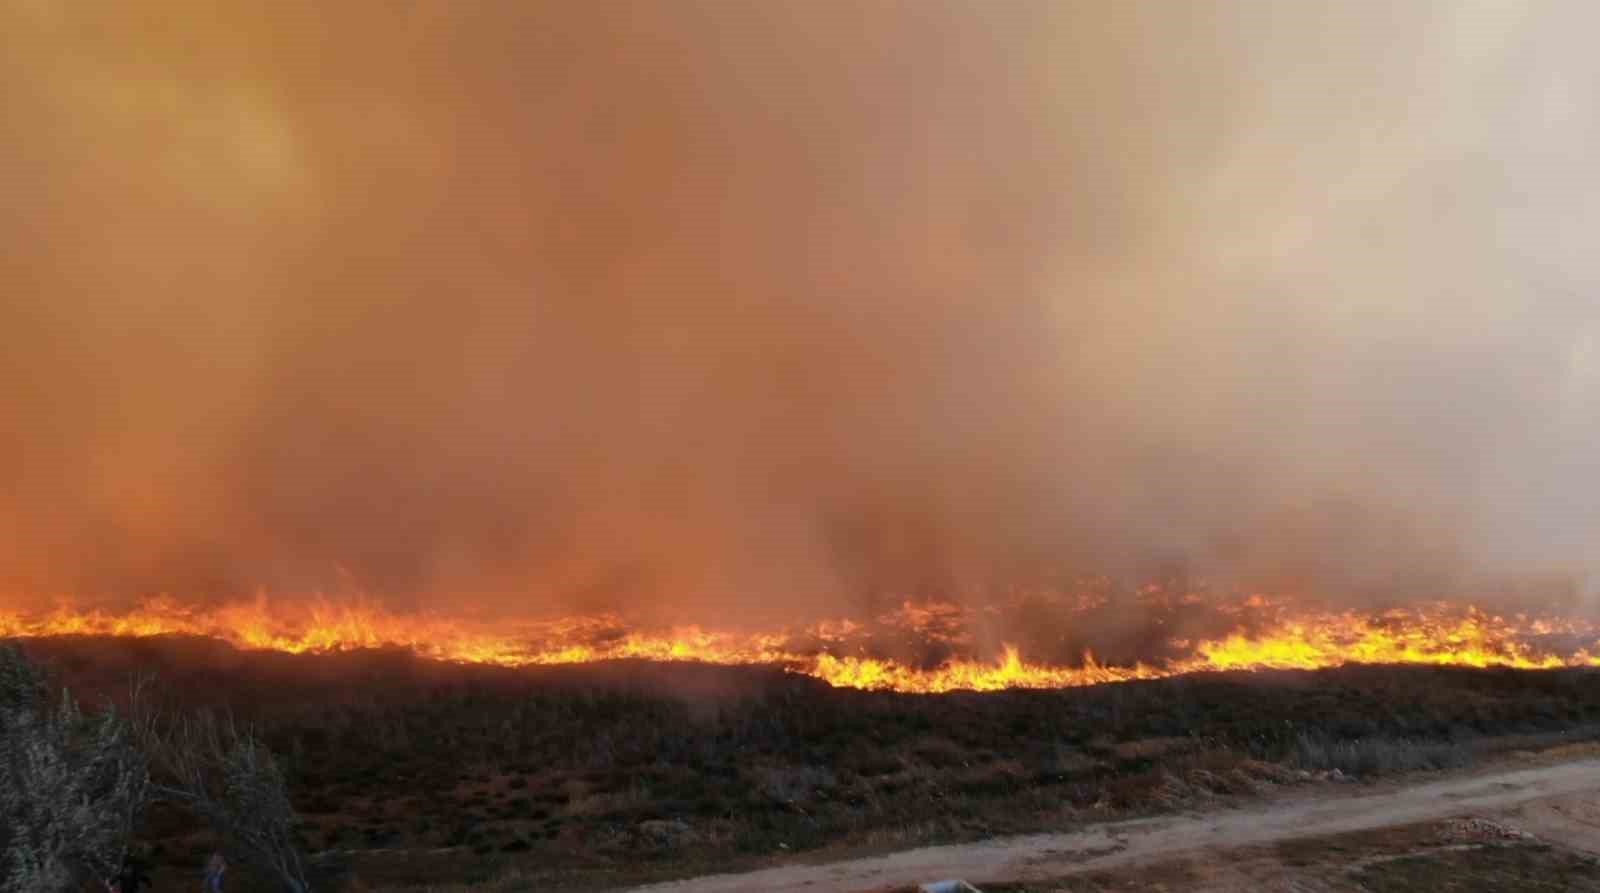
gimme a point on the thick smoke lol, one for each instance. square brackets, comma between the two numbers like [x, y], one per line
[733, 309]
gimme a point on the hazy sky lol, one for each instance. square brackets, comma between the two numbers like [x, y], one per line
[790, 306]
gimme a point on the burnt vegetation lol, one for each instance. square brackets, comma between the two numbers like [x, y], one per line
[408, 771]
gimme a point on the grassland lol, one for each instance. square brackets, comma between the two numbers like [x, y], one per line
[409, 771]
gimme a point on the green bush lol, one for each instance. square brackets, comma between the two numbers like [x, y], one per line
[72, 785]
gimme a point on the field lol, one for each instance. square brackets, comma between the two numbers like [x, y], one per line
[586, 777]
[1453, 856]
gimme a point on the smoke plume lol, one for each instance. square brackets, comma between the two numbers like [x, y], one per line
[737, 309]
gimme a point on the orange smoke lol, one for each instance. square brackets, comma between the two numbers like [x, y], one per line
[840, 652]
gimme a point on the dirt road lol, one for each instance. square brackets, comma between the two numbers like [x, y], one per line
[1559, 796]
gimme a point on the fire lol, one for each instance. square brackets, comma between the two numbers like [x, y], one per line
[842, 652]
[1010, 671]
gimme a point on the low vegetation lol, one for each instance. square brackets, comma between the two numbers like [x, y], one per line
[408, 772]
[75, 787]
[72, 786]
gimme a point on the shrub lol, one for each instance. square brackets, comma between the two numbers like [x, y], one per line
[1372, 756]
[225, 776]
[72, 785]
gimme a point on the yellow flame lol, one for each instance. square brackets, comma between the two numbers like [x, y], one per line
[1437, 634]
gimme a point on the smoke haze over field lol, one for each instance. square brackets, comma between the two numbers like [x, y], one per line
[730, 309]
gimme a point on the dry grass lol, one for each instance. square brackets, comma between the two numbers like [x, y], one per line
[585, 777]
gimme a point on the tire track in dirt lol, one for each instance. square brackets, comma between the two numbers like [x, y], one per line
[1142, 841]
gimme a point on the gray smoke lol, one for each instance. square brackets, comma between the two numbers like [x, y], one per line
[731, 309]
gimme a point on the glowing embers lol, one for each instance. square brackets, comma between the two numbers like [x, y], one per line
[1264, 634]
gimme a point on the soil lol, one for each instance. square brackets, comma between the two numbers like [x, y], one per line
[1524, 828]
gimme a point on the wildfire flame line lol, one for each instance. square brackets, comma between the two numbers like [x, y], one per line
[1307, 640]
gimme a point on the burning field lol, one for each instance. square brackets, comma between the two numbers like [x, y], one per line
[927, 647]
[601, 440]
[587, 773]
[590, 752]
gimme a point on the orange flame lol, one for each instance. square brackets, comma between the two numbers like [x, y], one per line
[1435, 634]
